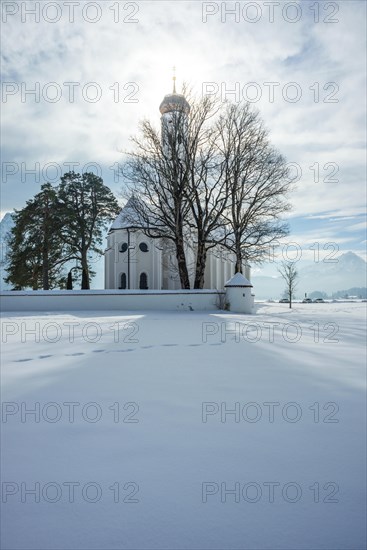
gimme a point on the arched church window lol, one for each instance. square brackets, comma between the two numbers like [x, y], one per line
[144, 247]
[123, 247]
[143, 283]
[123, 281]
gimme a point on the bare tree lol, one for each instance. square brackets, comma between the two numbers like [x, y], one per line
[178, 183]
[209, 177]
[290, 274]
[258, 181]
[156, 177]
[207, 190]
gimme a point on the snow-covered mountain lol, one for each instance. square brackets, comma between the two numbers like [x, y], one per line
[346, 265]
[349, 270]
[6, 225]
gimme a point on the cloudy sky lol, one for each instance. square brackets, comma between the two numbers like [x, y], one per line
[97, 68]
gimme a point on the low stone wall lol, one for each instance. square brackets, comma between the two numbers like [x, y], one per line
[108, 300]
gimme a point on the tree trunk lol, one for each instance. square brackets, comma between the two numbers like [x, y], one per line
[45, 262]
[182, 267]
[85, 271]
[45, 268]
[200, 266]
[85, 280]
[238, 268]
[69, 284]
[34, 279]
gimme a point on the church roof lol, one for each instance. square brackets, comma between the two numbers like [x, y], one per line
[127, 218]
[238, 280]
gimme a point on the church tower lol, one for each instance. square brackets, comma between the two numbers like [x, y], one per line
[175, 111]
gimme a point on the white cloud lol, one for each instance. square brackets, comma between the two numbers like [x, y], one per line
[173, 34]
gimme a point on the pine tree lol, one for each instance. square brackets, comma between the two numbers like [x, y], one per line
[87, 206]
[36, 251]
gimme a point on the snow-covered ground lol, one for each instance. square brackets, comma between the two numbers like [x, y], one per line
[185, 430]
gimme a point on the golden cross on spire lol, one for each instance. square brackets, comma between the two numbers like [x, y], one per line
[174, 80]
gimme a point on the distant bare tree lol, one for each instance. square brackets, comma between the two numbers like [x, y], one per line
[290, 274]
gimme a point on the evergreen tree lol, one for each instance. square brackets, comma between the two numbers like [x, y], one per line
[36, 251]
[87, 206]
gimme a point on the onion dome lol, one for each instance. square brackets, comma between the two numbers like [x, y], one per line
[174, 102]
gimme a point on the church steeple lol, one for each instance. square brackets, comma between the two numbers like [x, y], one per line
[174, 80]
[175, 111]
[174, 101]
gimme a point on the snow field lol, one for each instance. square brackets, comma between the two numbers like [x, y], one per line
[165, 430]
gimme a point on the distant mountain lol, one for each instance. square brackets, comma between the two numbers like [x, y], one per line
[6, 225]
[345, 264]
[359, 292]
[348, 271]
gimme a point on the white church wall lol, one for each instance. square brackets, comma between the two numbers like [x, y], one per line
[140, 261]
[109, 262]
[109, 300]
[160, 265]
[144, 261]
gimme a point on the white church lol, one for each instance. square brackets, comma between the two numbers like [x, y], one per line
[135, 261]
